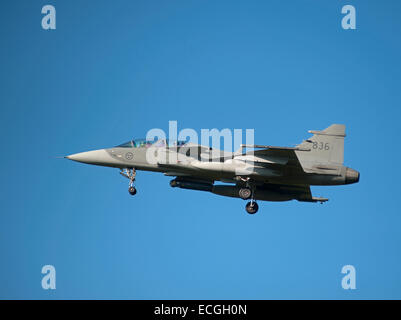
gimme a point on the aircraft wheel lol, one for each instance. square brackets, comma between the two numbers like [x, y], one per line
[251, 207]
[245, 193]
[132, 191]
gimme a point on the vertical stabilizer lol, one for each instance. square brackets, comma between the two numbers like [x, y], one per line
[327, 146]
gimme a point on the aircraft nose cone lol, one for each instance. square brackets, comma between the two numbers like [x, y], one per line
[91, 157]
[351, 176]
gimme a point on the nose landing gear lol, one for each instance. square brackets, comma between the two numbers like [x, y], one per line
[132, 190]
[130, 174]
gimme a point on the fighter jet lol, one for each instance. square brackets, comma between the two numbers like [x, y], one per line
[254, 172]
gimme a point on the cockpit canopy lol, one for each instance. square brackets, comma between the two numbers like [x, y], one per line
[143, 143]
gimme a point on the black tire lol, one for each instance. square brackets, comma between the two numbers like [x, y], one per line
[132, 191]
[251, 207]
[245, 193]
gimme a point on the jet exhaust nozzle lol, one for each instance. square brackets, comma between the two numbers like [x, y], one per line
[351, 176]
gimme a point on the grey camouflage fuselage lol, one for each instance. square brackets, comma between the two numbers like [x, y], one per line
[264, 173]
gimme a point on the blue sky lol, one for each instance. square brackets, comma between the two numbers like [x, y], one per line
[112, 70]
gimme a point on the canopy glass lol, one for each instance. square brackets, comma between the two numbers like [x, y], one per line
[140, 143]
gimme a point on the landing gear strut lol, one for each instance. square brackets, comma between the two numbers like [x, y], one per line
[130, 174]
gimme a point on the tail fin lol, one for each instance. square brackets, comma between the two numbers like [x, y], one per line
[327, 146]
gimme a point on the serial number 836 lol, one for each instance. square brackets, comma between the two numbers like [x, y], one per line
[321, 146]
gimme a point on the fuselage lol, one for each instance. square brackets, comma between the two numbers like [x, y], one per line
[261, 172]
[225, 169]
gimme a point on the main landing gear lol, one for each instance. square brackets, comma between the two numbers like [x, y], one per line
[130, 174]
[252, 207]
[246, 193]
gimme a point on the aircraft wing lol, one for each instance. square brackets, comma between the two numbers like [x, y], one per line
[278, 156]
[299, 192]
